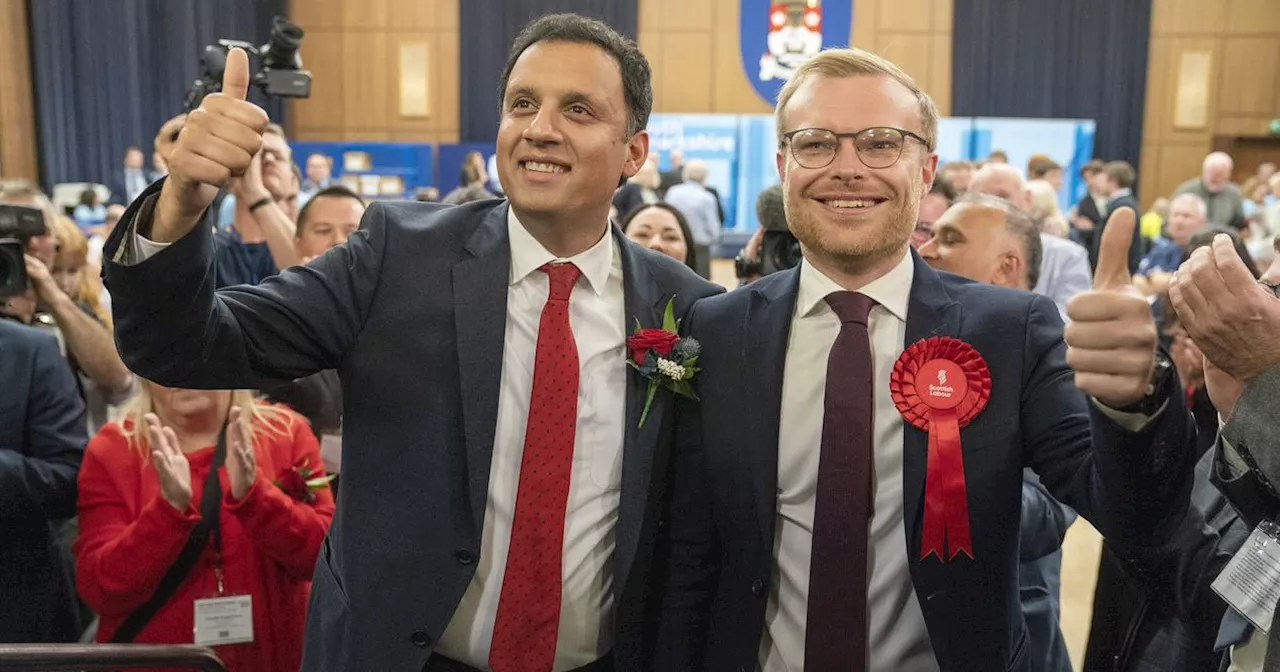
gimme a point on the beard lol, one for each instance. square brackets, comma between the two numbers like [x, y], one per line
[854, 246]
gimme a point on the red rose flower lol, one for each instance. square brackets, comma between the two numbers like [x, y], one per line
[294, 484]
[658, 340]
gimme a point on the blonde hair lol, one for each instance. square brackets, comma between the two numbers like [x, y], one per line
[257, 419]
[73, 250]
[1043, 201]
[840, 63]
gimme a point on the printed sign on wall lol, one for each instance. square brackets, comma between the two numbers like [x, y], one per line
[776, 36]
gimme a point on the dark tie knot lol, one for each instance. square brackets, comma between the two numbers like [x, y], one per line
[851, 306]
[563, 277]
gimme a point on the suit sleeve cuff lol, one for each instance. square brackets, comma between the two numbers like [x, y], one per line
[1131, 422]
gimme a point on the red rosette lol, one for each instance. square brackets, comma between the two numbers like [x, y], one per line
[940, 385]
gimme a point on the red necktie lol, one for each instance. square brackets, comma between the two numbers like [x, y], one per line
[524, 633]
[836, 625]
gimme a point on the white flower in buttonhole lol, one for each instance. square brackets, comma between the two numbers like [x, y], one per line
[670, 369]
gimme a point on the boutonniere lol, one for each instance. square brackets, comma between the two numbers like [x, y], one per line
[664, 358]
[300, 482]
[940, 385]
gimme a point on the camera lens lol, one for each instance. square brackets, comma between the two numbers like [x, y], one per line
[282, 48]
[787, 254]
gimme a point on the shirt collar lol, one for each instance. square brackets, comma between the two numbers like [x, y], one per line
[891, 290]
[528, 255]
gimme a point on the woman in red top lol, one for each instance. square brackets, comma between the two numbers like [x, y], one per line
[140, 493]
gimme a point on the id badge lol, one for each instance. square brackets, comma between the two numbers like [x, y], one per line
[224, 620]
[1250, 582]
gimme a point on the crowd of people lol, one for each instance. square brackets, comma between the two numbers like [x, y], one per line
[559, 447]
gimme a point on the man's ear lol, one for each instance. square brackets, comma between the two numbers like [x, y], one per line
[637, 154]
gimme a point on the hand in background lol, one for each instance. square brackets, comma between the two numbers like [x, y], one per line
[171, 465]
[242, 468]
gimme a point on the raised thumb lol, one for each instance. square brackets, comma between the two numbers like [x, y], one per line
[1113, 251]
[235, 78]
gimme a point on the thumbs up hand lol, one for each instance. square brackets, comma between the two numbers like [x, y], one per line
[1111, 341]
[218, 142]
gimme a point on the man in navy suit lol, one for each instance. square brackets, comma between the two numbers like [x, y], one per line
[500, 498]
[803, 531]
[42, 438]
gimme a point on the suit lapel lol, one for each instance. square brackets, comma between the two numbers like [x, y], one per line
[645, 302]
[765, 333]
[480, 316]
[930, 312]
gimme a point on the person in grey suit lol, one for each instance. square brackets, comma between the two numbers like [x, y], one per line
[1234, 320]
[500, 495]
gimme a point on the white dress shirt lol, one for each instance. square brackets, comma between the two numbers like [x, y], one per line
[898, 639]
[597, 315]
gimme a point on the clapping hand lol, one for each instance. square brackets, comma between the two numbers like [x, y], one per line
[171, 464]
[1111, 341]
[242, 468]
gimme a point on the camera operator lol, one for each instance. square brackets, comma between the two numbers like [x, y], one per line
[772, 248]
[42, 439]
[86, 342]
[259, 241]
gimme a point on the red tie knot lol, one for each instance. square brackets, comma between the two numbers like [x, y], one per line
[563, 277]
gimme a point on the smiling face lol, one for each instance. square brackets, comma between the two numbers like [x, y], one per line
[846, 214]
[562, 143]
[973, 242]
[658, 230]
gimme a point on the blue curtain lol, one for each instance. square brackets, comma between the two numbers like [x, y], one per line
[491, 27]
[1082, 59]
[107, 74]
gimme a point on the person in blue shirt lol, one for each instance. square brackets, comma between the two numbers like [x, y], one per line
[1187, 217]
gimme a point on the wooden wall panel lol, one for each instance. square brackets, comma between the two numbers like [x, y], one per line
[353, 51]
[1247, 63]
[1243, 39]
[679, 35]
[17, 98]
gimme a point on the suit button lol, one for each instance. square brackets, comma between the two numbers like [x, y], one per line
[420, 639]
[464, 557]
[757, 587]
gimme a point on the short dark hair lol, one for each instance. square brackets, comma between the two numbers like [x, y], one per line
[691, 254]
[335, 191]
[1121, 172]
[577, 29]
[1018, 223]
[1040, 165]
[998, 154]
[1205, 239]
[944, 189]
[1093, 167]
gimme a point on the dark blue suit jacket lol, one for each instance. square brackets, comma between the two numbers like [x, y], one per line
[718, 567]
[42, 439]
[411, 311]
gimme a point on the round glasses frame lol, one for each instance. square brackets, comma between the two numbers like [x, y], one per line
[877, 147]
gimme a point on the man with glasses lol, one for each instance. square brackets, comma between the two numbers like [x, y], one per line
[812, 527]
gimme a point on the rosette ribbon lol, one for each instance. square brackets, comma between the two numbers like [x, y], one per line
[940, 385]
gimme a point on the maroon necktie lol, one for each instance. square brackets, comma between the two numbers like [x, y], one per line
[524, 633]
[836, 625]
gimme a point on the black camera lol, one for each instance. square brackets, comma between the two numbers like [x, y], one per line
[280, 74]
[779, 250]
[18, 225]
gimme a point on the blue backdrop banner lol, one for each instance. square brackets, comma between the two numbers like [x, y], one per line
[712, 138]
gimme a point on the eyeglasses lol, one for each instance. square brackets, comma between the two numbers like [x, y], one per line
[878, 147]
